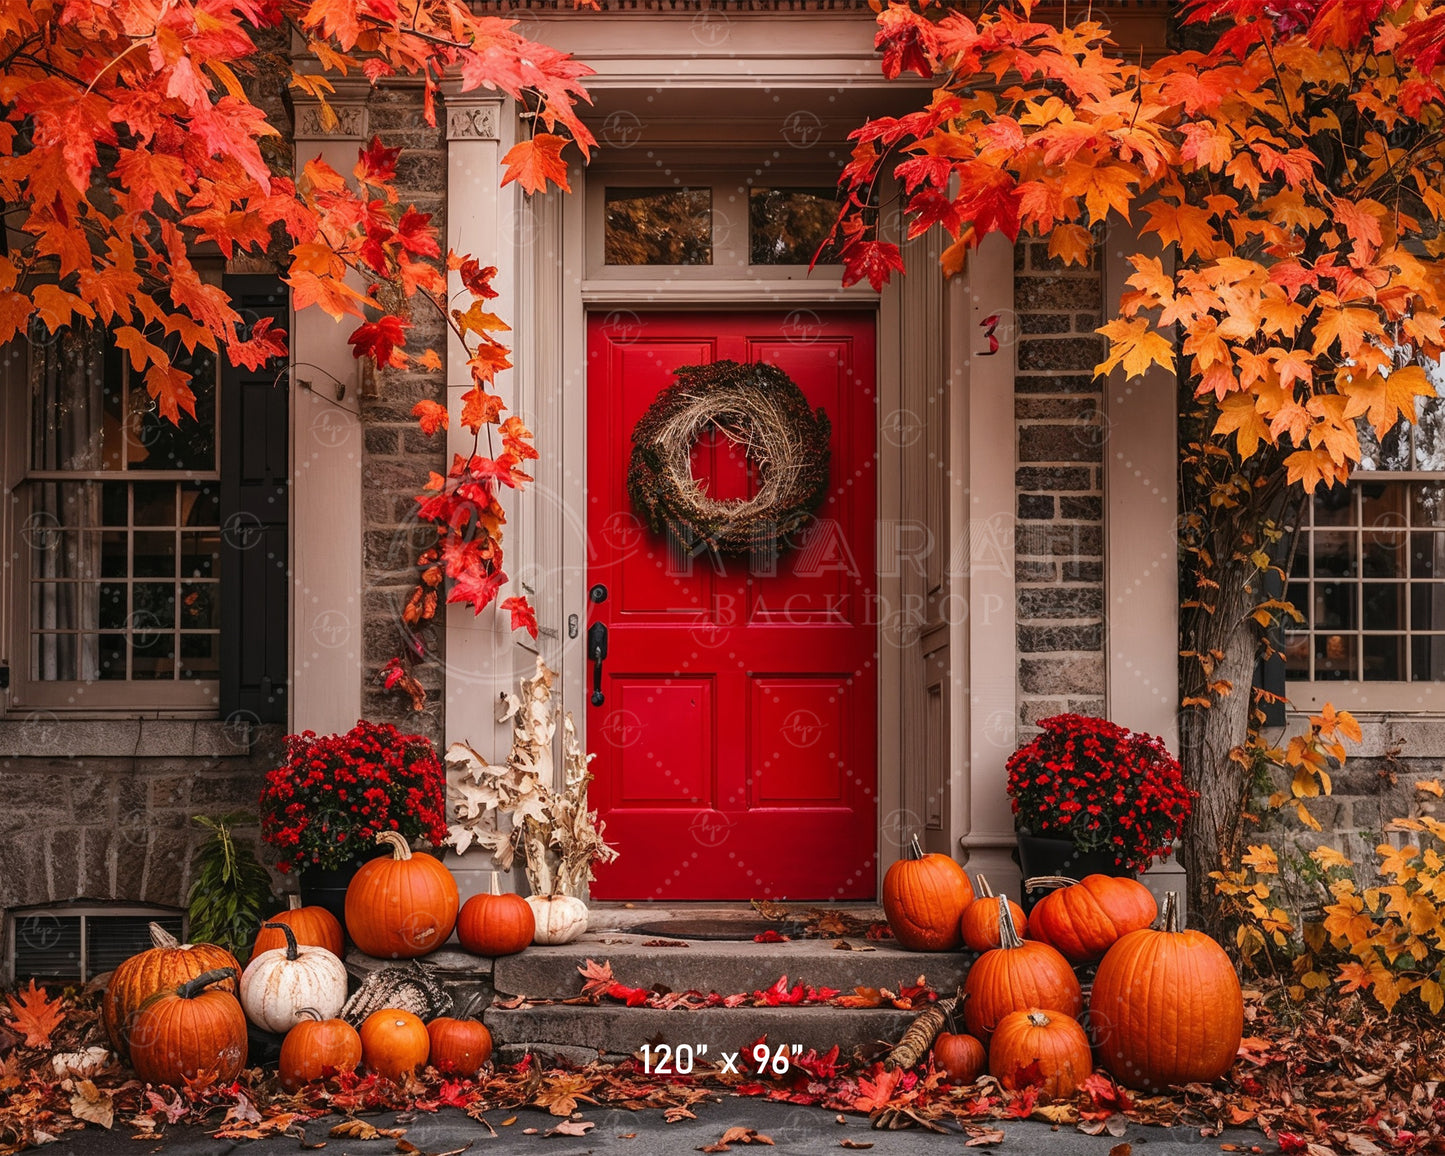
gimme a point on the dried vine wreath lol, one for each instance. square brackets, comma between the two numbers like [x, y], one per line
[760, 407]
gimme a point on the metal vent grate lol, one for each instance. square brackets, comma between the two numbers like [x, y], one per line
[77, 943]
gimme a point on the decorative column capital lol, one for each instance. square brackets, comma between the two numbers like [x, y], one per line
[474, 119]
[345, 122]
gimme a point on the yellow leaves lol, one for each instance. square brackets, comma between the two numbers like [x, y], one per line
[1328, 859]
[477, 320]
[1102, 187]
[1135, 346]
[1071, 244]
[1262, 859]
[1385, 400]
[56, 307]
[1430, 786]
[1186, 225]
[1349, 325]
[1238, 415]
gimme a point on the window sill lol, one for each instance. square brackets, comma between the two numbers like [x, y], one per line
[1367, 697]
[44, 735]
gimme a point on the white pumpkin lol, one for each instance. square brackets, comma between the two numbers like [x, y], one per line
[279, 985]
[560, 918]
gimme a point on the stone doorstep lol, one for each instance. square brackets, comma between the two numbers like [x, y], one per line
[703, 965]
[576, 1032]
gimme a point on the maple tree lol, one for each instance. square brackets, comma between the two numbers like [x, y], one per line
[135, 136]
[1290, 165]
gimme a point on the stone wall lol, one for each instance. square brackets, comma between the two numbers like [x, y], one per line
[397, 455]
[1059, 544]
[101, 809]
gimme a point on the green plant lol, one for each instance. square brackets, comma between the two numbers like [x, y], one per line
[230, 892]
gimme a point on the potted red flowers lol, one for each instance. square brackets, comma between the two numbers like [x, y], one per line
[1090, 797]
[324, 806]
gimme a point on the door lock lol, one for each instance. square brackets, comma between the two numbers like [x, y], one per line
[596, 653]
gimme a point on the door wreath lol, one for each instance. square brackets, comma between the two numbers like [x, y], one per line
[763, 410]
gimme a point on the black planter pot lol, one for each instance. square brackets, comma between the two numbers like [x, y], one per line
[1040, 856]
[326, 886]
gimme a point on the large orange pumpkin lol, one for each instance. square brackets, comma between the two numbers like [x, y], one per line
[1015, 976]
[312, 926]
[960, 1055]
[980, 918]
[316, 1048]
[923, 898]
[1084, 918]
[1044, 1048]
[1166, 1007]
[197, 1027]
[164, 965]
[496, 924]
[401, 907]
[459, 1047]
[394, 1042]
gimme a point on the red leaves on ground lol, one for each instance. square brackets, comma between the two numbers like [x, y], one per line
[35, 1015]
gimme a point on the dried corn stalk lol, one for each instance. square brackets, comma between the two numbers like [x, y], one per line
[920, 1035]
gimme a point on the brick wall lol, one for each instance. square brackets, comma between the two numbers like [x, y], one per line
[1059, 544]
[397, 455]
[79, 819]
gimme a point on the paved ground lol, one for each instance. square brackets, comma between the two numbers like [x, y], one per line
[792, 1129]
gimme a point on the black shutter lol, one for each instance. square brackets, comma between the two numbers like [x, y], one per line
[1269, 672]
[255, 559]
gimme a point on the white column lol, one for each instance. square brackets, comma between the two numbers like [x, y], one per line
[326, 451]
[981, 567]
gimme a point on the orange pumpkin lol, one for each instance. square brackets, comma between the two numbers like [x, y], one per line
[980, 918]
[960, 1055]
[1166, 1007]
[312, 926]
[401, 907]
[923, 898]
[459, 1046]
[1044, 1048]
[394, 1042]
[196, 1027]
[316, 1048]
[164, 965]
[1084, 919]
[496, 924]
[1017, 975]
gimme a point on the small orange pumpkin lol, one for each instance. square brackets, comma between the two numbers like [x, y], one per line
[1086, 917]
[316, 1048]
[394, 1042]
[960, 1055]
[459, 1046]
[1017, 975]
[312, 926]
[496, 924]
[1038, 1047]
[403, 906]
[164, 965]
[1166, 1007]
[980, 918]
[923, 899]
[197, 1027]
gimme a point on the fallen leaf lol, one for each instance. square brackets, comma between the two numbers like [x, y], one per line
[571, 1128]
[676, 1113]
[90, 1104]
[855, 1143]
[354, 1129]
[982, 1137]
[36, 1015]
[1122, 1150]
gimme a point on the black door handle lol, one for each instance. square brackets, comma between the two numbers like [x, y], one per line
[596, 653]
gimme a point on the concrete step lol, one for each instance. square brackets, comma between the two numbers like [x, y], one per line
[580, 1033]
[721, 966]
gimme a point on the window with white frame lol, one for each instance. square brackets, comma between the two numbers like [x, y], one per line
[119, 532]
[1368, 571]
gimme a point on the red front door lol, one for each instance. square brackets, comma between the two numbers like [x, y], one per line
[736, 741]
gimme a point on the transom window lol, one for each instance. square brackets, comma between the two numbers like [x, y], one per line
[122, 534]
[1369, 567]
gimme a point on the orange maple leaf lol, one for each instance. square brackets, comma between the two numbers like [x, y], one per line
[537, 162]
[36, 1015]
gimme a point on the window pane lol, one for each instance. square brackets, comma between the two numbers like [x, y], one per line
[1427, 606]
[67, 378]
[200, 656]
[1335, 605]
[112, 656]
[114, 610]
[657, 226]
[1384, 605]
[200, 606]
[1334, 554]
[1427, 504]
[115, 554]
[1384, 658]
[200, 504]
[153, 606]
[1297, 655]
[1298, 596]
[152, 656]
[154, 503]
[200, 555]
[1335, 506]
[155, 443]
[114, 503]
[1335, 657]
[1427, 659]
[155, 555]
[1384, 554]
[786, 226]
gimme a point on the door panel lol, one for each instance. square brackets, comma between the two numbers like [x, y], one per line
[737, 738]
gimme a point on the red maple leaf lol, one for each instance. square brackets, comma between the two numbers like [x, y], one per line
[523, 616]
[36, 1015]
[537, 162]
[376, 164]
[416, 234]
[771, 936]
[874, 260]
[476, 279]
[263, 344]
[430, 416]
[477, 589]
[597, 977]
[378, 340]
